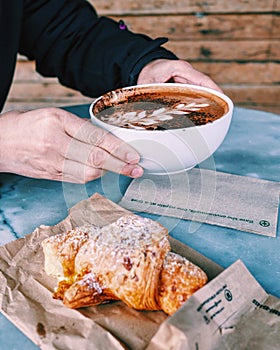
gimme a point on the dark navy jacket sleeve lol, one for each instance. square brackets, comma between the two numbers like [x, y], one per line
[92, 54]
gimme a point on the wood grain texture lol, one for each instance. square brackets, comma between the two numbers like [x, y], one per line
[226, 50]
[241, 73]
[252, 72]
[206, 27]
[123, 7]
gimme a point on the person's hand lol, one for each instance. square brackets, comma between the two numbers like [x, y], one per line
[178, 71]
[52, 143]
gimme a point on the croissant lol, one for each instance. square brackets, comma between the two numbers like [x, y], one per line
[129, 260]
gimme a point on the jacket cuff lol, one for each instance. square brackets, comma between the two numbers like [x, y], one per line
[152, 52]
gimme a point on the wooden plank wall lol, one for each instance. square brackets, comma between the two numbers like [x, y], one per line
[236, 42]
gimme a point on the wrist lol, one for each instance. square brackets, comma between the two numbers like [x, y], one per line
[153, 53]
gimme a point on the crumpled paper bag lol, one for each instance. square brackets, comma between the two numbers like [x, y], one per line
[26, 292]
[232, 312]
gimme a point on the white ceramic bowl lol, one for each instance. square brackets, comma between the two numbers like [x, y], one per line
[173, 150]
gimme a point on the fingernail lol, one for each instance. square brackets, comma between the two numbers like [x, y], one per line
[132, 157]
[136, 172]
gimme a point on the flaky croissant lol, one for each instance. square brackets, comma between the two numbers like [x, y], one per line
[128, 260]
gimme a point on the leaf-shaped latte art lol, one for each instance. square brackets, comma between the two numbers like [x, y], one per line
[141, 119]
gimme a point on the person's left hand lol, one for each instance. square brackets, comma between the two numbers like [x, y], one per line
[178, 71]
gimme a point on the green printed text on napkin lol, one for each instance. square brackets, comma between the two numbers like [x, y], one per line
[238, 202]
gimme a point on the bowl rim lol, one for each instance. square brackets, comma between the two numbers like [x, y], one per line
[111, 127]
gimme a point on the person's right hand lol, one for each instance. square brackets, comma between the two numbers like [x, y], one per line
[52, 143]
[178, 71]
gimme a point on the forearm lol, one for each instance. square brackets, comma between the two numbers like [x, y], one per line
[68, 40]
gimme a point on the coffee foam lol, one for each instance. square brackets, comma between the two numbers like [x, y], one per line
[159, 108]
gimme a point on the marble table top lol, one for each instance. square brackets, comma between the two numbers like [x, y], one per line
[251, 148]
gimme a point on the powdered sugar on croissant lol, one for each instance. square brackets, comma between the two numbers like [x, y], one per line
[128, 260]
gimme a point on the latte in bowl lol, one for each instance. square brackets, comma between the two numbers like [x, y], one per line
[173, 126]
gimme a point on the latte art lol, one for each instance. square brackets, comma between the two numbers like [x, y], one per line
[148, 118]
[158, 111]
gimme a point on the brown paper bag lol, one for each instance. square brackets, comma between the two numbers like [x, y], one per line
[26, 292]
[231, 312]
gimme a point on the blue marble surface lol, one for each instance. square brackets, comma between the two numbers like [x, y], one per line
[251, 148]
